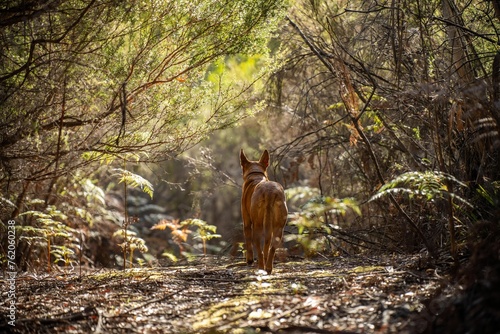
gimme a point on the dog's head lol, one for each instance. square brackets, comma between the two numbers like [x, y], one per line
[250, 167]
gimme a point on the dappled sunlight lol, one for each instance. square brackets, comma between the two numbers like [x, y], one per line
[220, 295]
[374, 206]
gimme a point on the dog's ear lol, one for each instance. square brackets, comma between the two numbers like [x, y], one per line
[243, 158]
[264, 159]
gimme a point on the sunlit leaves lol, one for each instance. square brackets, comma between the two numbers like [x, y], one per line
[50, 228]
[131, 241]
[180, 231]
[132, 75]
[204, 231]
[92, 83]
[315, 220]
[134, 180]
[428, 185]
[63, 254]
[92, 192]
[491, 194]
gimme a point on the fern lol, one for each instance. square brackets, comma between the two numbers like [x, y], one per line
[86, 201]
[428, 185]
[134, 180]
[492, 195]
[204, 231]
[49, 229]
[93, 193]
[325, 204]
[170, 256]
[130, 243]
[313, 229]
[180, 231]
[63, 254]
[53, 230]
[7, 201]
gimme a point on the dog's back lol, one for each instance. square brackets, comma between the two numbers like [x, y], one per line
[264, 211]
[268, 205]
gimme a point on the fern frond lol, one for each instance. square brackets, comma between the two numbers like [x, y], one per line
[134, 180]
[170, 256]
[428, 185]
[35, 201]
[93, 193]
[122, 233]
[161, 225]
[322, 204]
[34, 213]
[5, 200]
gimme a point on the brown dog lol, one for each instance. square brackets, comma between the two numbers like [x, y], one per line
[264, 211]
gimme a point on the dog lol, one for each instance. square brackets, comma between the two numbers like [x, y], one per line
[264, 211]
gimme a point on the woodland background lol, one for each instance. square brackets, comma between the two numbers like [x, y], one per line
[382, 119]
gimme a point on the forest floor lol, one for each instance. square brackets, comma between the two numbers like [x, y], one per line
[221, 295]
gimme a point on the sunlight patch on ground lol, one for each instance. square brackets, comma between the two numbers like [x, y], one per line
[247, 305]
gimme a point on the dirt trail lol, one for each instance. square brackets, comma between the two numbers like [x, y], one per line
[219, 295]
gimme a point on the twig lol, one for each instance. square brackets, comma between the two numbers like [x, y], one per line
[307, 329]
[74, 316]
[152, 301]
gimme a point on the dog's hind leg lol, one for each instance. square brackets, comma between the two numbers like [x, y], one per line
[267, 233]
[257, 242]
[249, 243]
[275, 242]
[247, 231]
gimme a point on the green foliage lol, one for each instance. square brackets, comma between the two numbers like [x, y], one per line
[316, 219]
[180, 232]
[48, 224]
[53, 232]
[130, 242]
[85, 200]
[47, 232]
[203, 231]
[146, 91]
[7, 201]
[407, 101]
[92, 83]
[169, 255]
[63, 254]
[493, 195]
[297, 195]
[134, 180]
[428, 185]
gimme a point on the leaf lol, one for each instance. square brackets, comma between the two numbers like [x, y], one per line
[429, 185]
[122, 233]
[35, 214]
[181, 235]
[213, 236]
[170, 256]
[138, 243]
[161, 225]
[93, 193]
[5, 200]
[134, 180]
